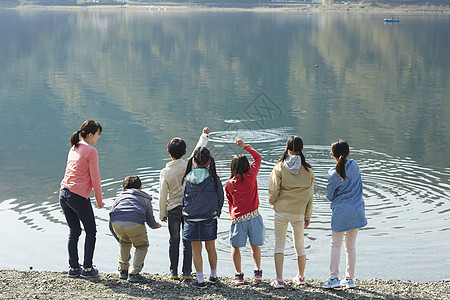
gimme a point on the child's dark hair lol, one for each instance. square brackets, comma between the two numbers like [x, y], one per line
[295, 145]
[340, 151]
[239, 165]
[201, 156]
[131, 182]
[177, 148]
[89, 126]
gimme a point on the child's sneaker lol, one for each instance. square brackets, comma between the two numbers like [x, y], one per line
[213, 280]
[277, 284]
[74, 272]
[348, 283]
[199, 285]
[187, 277]
[257, 275]
[238, 278]
[332, 284]
[174, 276]
[89, 272]
[123, 274]
[298, 280]
[136, 278]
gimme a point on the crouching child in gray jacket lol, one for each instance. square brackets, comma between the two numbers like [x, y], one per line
[127, 218]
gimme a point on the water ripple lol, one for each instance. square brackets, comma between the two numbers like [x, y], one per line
[400, 195]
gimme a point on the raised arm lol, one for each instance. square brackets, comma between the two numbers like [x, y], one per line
[203, 140]
[256, 164]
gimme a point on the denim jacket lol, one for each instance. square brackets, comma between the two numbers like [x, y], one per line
[201, 200]
[346, 196]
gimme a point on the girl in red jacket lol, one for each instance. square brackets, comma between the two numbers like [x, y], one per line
[243, 201]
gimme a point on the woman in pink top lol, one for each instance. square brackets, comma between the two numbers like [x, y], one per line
[81, 176]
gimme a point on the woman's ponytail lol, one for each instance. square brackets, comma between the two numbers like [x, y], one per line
[75, 139]
[340, 151]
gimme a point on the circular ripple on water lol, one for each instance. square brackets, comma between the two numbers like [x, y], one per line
[399, 194]
[248, 136]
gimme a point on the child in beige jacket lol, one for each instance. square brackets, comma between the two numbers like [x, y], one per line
[291, 189]
[171, 204]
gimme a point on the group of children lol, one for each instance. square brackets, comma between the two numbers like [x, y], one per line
[191, 197]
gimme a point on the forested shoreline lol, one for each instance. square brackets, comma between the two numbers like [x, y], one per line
[246, 4]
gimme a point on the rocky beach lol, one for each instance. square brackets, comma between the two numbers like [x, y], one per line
[57, 285]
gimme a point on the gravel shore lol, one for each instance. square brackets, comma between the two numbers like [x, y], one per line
[56, 285]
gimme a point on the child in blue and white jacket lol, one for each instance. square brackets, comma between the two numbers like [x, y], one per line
[345, 191]
[203, 198]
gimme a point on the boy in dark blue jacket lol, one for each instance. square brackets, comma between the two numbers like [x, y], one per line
[130, 211]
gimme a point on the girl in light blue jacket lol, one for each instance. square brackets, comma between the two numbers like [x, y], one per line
[344, 190]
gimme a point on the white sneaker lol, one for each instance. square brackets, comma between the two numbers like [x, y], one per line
[348, 283]
[277, 284]
[298, 280]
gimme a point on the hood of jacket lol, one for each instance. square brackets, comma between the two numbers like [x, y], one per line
[133, 193]
[198, 175]
[293, 163]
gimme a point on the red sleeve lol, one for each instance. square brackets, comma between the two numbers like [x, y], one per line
[254, 168]
[229, 196]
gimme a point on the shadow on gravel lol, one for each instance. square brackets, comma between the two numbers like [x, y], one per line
[157, 287]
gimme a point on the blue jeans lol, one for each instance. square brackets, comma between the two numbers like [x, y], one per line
[76, 209]
[175, 223]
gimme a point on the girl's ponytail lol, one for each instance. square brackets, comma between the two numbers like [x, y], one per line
[340, 150]
[212, 171]
[188, 167]
[284, 155]
[304, 163]
[340, 166]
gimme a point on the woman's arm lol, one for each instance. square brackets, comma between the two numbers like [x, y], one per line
[95, 177]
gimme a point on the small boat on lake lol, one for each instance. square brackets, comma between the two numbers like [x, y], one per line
[392, 20]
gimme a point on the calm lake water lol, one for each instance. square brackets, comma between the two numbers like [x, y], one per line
[148, 76]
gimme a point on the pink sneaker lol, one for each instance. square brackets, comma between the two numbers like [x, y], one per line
[298, 280]
[277, 284]
[257, 275]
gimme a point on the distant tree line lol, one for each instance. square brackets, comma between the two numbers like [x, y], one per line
[230, 2]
